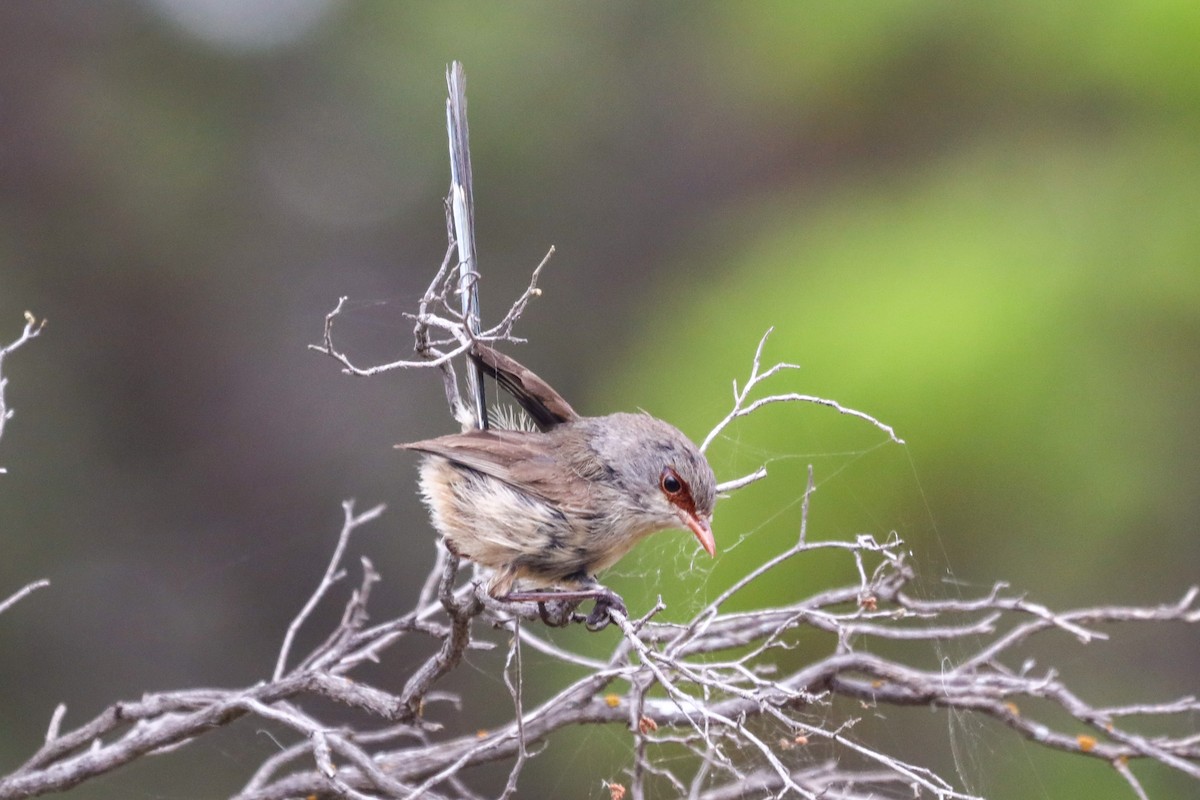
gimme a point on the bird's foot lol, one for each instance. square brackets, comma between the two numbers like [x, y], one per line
[606, 601]
[557, 608]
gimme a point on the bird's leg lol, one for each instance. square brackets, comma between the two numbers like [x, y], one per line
[590, 590]
[564, 606]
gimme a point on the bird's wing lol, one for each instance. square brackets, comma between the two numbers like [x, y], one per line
[545, 406]
[520, 459]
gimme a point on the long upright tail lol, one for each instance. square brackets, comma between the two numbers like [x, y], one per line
[545, 406]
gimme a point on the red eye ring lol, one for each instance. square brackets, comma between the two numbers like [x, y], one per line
[670, 482]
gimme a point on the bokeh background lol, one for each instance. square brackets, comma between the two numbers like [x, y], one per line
[980, 223]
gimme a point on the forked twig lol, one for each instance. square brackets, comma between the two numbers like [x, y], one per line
[332, 575]
[743, 406]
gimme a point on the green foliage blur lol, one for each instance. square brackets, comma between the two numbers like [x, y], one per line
[978, 223]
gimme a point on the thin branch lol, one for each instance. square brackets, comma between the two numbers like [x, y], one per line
[22, 593]
[436, 314]
[515, 682]
[33, 328]
[742, 407]
[332, 575]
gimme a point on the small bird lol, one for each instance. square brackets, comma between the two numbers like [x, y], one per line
[548, 509]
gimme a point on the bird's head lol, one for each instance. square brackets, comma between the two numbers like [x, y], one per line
[663, 477]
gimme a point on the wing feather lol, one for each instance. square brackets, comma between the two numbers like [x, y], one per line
[521, 459]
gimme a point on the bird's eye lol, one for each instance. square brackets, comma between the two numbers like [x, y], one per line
[670, 482]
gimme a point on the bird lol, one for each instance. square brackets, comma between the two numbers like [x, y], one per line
[546, 510]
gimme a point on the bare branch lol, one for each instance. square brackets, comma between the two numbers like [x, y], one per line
[332, 576]
[21, 593]
[515, 682]
[743, 406]
[680, 690]
[33, 328]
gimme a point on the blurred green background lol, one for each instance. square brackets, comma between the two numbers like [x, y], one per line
[980, 223]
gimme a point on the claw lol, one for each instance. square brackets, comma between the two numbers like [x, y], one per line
[608, 601]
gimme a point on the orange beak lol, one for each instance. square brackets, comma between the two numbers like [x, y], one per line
[702, 529]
